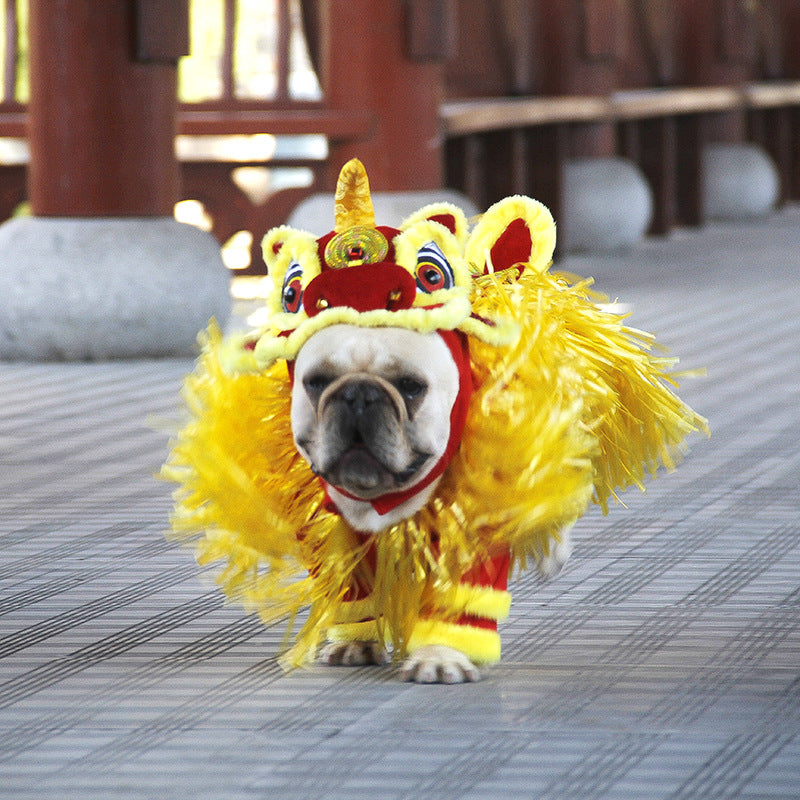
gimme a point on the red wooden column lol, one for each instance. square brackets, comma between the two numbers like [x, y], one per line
[717, 48]
[789, 16]
[102, 113]
[721, 171]
[385, 57]
[649, 61]
[103, 269]
[581, 44]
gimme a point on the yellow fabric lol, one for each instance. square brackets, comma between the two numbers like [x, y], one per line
[366, 631]
[352, 202]
[479, 645]
[356, 610]
[440, 208]
[577, 408]
[270, 348]
[480, 601]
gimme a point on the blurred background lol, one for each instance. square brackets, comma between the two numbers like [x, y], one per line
[682, 110]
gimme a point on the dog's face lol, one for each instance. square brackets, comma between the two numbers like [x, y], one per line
[371, 406]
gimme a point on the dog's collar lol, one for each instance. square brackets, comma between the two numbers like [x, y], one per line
[458, 345]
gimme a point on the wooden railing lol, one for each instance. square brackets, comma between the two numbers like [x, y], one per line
[503, 145]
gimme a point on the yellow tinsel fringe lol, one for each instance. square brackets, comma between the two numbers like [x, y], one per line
[577, 409]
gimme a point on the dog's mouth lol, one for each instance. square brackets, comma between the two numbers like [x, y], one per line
[359, 471]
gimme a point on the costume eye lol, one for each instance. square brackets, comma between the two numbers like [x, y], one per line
[433, 270]
[292, 296]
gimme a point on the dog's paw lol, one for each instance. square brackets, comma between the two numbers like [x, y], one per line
[436, 663]
[551, 565]
[353, 654]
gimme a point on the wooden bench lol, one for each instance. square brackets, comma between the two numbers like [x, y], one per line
[210, 178]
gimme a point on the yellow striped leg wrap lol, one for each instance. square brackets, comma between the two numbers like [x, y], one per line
[479, 645]
[356, 622]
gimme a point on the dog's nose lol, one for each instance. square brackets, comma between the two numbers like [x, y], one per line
[361, 395]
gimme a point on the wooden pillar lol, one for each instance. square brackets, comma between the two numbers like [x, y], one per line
[385, 57]
[718, 48]
[650, 61]
[581, 44]
[789, 16]
[102, 113]
[103, 269]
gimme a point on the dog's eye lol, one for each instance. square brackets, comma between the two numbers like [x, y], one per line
[433, 270]
[316, 384]
[410, 388]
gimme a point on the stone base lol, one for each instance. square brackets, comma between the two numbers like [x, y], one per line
[608, 205]
[739, 182]
[74, 289]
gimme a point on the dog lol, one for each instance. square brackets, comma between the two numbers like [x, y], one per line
[371, 414]
[427, 408]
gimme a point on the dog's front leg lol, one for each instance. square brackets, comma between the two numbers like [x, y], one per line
[354, 641]
[437, 663]
[354, 653]
[460, 630]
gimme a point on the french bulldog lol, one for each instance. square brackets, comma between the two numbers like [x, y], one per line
[371, 415]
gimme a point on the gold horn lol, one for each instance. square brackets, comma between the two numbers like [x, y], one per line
[353, 204]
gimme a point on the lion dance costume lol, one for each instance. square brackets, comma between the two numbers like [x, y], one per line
[560, 405]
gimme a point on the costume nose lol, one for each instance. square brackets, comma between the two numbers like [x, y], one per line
[365, 287]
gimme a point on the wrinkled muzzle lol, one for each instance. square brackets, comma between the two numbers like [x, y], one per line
[363, 418]
[361, 395]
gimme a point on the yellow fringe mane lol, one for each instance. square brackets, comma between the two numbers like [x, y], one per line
[575, 410]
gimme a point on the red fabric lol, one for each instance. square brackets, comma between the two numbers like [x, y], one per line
[492, 573]
[477, 622]
[364, 575]
[448, 220]
[366, 287]
[513, 246]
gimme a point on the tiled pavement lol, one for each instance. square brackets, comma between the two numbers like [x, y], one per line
[663, 663]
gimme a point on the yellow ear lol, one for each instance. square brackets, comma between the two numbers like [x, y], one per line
[273, 242]
[516, 230]
[447, 214]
